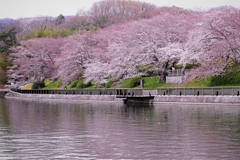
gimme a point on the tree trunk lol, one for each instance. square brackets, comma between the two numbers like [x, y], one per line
[163, 72]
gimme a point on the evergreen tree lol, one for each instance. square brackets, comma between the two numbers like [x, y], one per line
[60, 19]
[7, 40]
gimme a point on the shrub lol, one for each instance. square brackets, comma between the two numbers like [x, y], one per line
[110, 83]
[134, 82]
[151, 73]
[147, 70]
[74, 84]
[50, 33]
[191, 66]
[38, 85]
[88, 84]
[180, 66]
[227, 79]
[81, 84]
[59, 82]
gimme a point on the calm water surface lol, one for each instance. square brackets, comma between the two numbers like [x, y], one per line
[63, 130]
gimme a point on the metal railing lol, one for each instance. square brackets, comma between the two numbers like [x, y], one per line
[174, 73]
[234, 91]
[118, 92]
[128, 92]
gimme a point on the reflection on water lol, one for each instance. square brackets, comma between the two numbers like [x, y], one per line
[63, 130]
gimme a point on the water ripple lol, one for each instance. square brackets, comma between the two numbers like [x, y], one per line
[114, 131]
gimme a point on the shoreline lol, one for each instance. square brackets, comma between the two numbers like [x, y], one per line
[199, 100]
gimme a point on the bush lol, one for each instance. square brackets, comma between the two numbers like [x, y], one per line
[59, 82]
[147, 70]
[80, 84]
[50, 33]
[38, 85]
[191, 66]
[74, 84]
[88, 84]
[227, 79]
[134, 82]
[110, 83]
[180, 66]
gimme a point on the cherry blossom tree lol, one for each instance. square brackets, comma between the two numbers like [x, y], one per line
[215, 41]
[73, 59]
[34, 60]
[120, 51]
[147, 42]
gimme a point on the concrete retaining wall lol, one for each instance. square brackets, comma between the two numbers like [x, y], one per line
[112, 98]
[198, 99]
[66, 97]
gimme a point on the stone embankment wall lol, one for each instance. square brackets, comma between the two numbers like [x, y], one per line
[112, 98]
[65, 97]
[198, 99]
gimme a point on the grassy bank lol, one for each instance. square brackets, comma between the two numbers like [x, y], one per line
[149, 83]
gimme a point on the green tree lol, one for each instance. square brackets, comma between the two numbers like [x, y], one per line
[3, 76]
[7, 40]
[60, 19]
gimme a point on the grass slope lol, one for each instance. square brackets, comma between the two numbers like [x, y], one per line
[199, 83]
[149, 83]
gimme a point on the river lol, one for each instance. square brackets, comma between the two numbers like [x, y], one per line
[105, 130]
